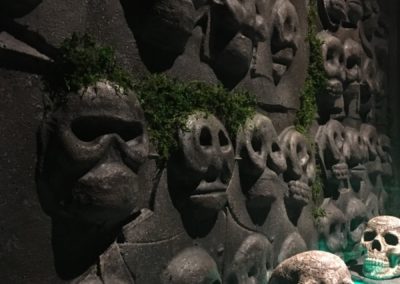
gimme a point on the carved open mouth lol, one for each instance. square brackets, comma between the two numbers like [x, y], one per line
[335, 87]
[282, 60]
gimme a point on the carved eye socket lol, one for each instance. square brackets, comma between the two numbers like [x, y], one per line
[205, 137]
[391, 239]
[355, 223]
[256, 143]
[89, 128]
[341, 59]
[223, 140]
[329, 54]
[275, 147]
[369, 236]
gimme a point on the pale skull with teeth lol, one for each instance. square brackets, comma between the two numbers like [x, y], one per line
[300, 173]
[333, 56]
[330, 140]
[381, 239]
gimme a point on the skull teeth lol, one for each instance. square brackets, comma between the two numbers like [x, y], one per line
[341, 171]
[376, 262]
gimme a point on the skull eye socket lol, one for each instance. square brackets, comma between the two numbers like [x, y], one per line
[355, 223]
[369, 236]
[223, 140]
[256, 143]
[89, 128]
[391, 239]
[205, 137]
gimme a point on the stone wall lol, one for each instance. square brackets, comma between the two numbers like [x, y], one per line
[231, 207]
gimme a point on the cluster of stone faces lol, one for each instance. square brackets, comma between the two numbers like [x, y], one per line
[224, 211]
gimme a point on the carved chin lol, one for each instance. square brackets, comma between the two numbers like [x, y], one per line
[281, 63]
[207, 205]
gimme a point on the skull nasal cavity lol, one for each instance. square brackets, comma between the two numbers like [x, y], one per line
[376, 245]
[205, 137]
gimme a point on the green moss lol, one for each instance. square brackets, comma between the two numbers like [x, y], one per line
[315, 85]
[168, 102]
[82, 62]
[316, 81]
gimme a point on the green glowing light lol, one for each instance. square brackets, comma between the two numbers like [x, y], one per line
[358, 282]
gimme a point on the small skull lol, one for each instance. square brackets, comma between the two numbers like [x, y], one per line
[330, 140]
[381, 239]
[200, 171]
[300, 173]
[89, 168]
[312, 267]
[333, 55]
[370, 136]
[191, 266]
[251, 261]
[285, 37]
[331, 228]
[352, 53]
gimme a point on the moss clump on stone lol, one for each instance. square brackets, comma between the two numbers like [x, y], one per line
[82, 62]
[168, 102]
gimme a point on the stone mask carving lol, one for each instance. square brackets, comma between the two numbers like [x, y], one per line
[300, 173]
[199, 173]
[96, 144]
[333, 55]
[192, 266]
[384, 152]
[258, 148]
[251, 261]
[312, 267]
[381, 239]
[370, 136]
[331, 228]
[285, 37]
[330, 141]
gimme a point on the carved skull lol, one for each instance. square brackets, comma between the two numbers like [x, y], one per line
[330, 141]
[352, 53]
[285, 37]
[355, 149]
[333, 55]
[251, 261]
[381, 239]
[370, 136]
[354, 11]
[191, 266]
[312, 267]
[95, 144]
[199, 173]
[334, 12]
[332, 228]
[300, 173]
[384, 152]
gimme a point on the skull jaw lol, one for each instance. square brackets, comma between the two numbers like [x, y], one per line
[379, 270]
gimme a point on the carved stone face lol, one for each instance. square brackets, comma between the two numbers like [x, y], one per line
[370, 136]
[285, 37]
[251, 261]
[381, 239]
[384, 152]
[332, 228]
[192, 265]
[258, 146]
[300, 173]
[200, 172]
[333, 55]
[331, 140]
[355, 149]
[96, 144]
[312, 267]
[352, 55]
[335, 11]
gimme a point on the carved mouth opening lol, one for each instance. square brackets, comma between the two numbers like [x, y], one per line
[90, 128]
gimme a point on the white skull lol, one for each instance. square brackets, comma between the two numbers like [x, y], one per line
[381, 239]
[312, 267]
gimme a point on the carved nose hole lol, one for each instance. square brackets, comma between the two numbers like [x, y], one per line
[205, 137]
[275, 147]
[256, 143]
[391, 239]
[223, 140]
[376, 245]
[89, 128]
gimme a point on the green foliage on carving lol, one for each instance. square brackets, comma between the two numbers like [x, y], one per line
[168, 102]
[316, 81]
[82, 62]
[315, 86]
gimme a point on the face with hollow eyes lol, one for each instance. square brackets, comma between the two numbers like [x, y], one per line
[200, 171]
[95, 144]
[285, 37]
